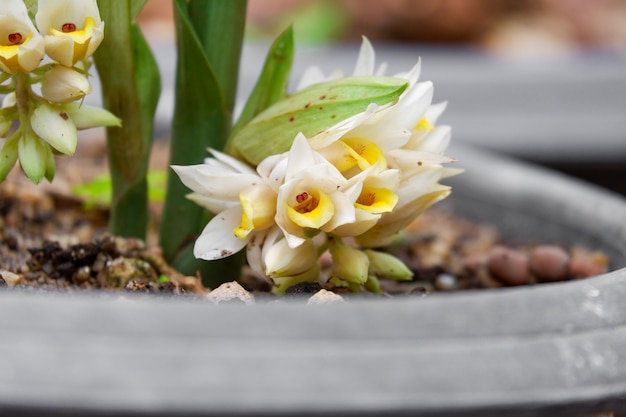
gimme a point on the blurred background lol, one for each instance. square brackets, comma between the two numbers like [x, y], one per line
[540, 80]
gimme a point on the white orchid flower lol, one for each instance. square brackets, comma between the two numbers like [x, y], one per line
[311, 198]
[72, 29]
[373, 192]
[21, 46]
[242, 199]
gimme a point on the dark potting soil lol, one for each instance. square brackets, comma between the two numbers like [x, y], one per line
[50, 241]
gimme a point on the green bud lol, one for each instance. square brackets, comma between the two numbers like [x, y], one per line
[50, 164]
[33, 156]
[372, 284]
[349, 264]
[385, 265]
[8, 156]
[5, 126]
[86, 117]
[282, 283]
[310, 111]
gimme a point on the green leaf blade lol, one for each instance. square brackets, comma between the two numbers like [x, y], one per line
[272, 83]
[312, 110]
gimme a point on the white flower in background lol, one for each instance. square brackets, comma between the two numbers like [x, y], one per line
[21, 46]
[41, 125]
[72, 29]
[64, 85]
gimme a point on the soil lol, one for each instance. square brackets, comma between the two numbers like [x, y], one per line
[49, 240]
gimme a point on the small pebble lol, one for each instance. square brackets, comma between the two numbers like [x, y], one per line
[550, 263]
[473, 263]
[325, 297]
[82, 274]
[10, 278]
[228, 292]
[584, 267]
[446, 282]
[508, 265]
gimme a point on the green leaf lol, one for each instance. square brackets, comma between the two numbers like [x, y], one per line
[272, 83]
[136, 6]
[218, 25]
[148, 81]
[310, 111]
[206, 77]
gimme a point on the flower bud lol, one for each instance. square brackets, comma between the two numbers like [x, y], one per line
[282, 283]
[54, 125]
[311, 111]
[281, 260]
[349, 264]
[33, 156]
[385, 265]
[64, 85]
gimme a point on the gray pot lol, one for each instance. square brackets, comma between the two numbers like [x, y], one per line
[551, 348]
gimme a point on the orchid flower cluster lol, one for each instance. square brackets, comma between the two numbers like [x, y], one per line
[67, 32]
[349, 187]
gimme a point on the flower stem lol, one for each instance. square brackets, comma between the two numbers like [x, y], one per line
[131, 86]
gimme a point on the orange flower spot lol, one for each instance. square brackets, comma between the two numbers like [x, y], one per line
[367, 198]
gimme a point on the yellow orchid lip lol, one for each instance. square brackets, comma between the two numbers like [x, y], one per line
[312, 209]
[351, 155]
[9, 52]
[257, 213]
[79, 36]
[376, 200]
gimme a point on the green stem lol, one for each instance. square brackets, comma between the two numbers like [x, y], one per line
[22, 98]
[122, 65]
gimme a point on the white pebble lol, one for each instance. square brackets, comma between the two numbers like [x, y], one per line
[230, 291]
[325, 297]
